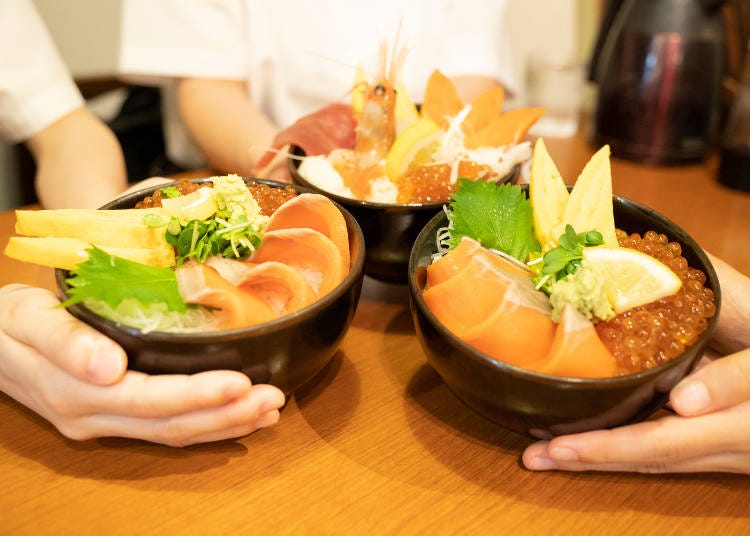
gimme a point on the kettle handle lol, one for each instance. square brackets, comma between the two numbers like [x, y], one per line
[611, 8]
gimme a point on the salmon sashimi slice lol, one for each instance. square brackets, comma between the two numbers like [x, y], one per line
[280, 286]
[441, 100]
[317, 212]
[457, 258]
[496, 313]
[577, 351]
[483, 109]
[505, 129]
[232, 270]
[202, 285]
[312, 254]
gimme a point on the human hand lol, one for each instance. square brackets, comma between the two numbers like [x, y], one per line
[76, 378]
[709, 431]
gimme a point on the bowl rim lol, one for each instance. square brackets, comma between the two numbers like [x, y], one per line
[355, 272]
[296, 152]
[677, 234]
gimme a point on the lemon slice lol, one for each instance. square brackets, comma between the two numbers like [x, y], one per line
[414, 146]
[197, 205]
[634, 278]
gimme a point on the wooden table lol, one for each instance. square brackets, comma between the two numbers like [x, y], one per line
[376, 444]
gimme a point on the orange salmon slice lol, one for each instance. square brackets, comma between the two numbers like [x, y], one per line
[457, 258]
[201, 284]
[505, 129]
[577, 351]
[312, 254]
[497, 313]
[483, 109]
[441, 101]
[317, 212]
[281, 287]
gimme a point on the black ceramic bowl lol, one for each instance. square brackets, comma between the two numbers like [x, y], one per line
[389, 228]
[286, 352]
[542, 405]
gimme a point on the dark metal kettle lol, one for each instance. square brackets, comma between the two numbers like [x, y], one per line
[659, 67]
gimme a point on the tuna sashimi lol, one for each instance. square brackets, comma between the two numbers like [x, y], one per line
[577, 351]
[498, 313]
[317, 212]
[315, 257]
[329, 128]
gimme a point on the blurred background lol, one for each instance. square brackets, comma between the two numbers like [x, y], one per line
[550, 49]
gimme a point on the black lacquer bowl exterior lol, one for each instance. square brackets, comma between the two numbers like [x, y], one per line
[286, 352]
[389, 228]
[542, 405]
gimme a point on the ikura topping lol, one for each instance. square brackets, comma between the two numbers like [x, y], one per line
[268, 198]
[432, 182]
[649, 335]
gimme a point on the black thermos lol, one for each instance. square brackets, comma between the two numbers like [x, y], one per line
[659, 66]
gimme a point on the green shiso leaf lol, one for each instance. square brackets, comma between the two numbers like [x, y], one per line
[112, 279]
[499, 216]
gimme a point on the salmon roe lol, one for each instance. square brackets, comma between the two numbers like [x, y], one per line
[268, 198]
[431, 182]
[649, 335]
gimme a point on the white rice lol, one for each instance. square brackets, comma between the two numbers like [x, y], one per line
[319, 172]
[382, 190]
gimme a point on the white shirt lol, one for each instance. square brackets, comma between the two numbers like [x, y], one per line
[35, 86]
[297, 56]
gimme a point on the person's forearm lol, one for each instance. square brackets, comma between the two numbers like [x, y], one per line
[79, 162]
[470, 87]
[228, 128]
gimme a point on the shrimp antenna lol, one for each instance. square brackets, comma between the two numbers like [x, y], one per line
[398, 56]
[335, 60]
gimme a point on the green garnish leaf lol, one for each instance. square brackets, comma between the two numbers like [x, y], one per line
[565, 259]
[499, 216]
[170, 192]
[235, 231]
[112, 279]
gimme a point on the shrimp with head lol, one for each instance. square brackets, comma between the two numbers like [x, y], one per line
[376, 126]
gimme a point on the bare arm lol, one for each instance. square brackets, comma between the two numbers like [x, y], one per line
[469, 87]
[224, 123]
[79, 162]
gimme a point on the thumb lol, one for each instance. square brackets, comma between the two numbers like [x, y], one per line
[33, 317]
[722, 383]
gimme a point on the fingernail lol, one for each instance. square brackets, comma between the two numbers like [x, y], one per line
[272, 402]
[563, 454]
[540, 463]
[104, 364]
[267, 419]
[691, 397]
